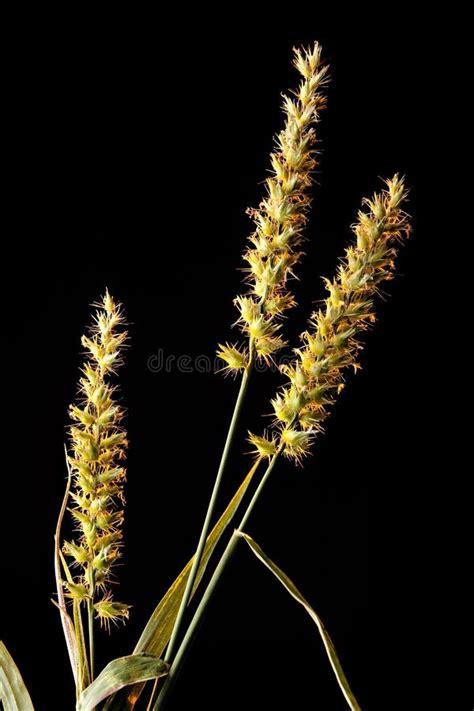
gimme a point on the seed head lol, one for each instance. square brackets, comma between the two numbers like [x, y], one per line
[281, 216]
[98, 445]
[333, 341]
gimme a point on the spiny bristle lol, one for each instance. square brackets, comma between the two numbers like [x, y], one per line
[98, 445]
[281, 216]
[332, 343]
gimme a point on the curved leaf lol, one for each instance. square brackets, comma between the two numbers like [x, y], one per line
[13, 693]
[293, 590]
[119, 673]
[68, 627]
[158, 630]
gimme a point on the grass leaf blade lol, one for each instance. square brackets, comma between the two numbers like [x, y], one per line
[68, 627]
[119, 673]
[158, 630]
[294, 592]
[13, 693]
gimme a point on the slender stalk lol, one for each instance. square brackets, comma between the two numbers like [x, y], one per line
[210, 511]
[90, 619]
[194, 624]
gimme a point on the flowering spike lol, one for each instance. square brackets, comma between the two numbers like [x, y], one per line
[332, 343]
[98, 443]
[281, 216]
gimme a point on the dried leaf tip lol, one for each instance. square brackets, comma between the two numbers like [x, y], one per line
[97, 450]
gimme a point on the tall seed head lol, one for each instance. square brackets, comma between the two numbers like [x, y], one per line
[97, 450]
[281, 216]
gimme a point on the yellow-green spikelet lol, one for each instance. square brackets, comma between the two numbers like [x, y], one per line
[97, 451]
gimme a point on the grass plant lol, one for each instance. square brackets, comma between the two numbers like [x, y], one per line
[94, 503]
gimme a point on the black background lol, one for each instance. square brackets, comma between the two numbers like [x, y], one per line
[131, 157]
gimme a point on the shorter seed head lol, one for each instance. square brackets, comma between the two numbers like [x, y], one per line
[332, 344]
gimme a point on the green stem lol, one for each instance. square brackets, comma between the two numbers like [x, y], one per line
[90, 618]
[210, 511]
[190, 632]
